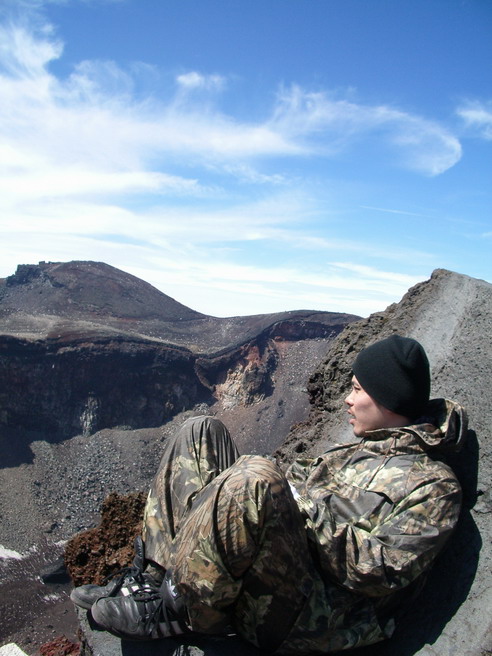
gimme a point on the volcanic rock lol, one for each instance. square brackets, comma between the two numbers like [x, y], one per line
[98, 553]
[85, 347]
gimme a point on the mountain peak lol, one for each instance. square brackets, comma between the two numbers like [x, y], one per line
[85, 288]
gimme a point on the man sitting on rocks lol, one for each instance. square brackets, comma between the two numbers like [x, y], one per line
[315, 560]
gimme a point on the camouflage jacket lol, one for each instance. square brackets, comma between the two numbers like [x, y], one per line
[377, 512]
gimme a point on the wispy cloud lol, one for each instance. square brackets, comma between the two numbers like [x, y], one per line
[478, 116]
[24, 55]
[373, 274]
[339, 287]
[424, 145]
[94, 116]
[392, 211]
[267, 218]
[89, 169]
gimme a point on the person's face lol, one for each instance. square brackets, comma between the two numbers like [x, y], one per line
[366, 414]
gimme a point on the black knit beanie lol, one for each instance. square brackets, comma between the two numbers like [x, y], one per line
[395, 372]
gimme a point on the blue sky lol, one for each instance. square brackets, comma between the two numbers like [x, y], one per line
[249, 156]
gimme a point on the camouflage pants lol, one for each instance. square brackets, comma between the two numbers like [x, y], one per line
[230, 531]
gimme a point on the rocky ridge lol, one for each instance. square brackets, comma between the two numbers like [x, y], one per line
[451, 315]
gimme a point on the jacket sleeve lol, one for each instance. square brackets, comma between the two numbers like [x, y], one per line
[373, 557]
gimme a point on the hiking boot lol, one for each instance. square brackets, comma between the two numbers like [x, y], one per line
[151, 611]
[126, 580]
[129, 577]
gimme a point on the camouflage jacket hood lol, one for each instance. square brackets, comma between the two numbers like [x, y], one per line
[442, 429]
[377, 512]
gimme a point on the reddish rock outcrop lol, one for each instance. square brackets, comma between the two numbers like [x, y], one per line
[60, 646]
[93, 555]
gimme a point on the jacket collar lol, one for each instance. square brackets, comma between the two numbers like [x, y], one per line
[443, 427]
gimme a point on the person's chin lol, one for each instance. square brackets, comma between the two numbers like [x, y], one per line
[358, 432]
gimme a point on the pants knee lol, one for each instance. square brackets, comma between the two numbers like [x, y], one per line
[256, 474]
[259, 467]
[204, 423]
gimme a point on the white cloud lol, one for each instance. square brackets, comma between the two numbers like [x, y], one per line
[194, 80]
[94, 118]
[377, 276]
[268, 218]
[24, 55]
[250, 290]
[246, 173]
[73, 181]
[478, 115]
[423, 145]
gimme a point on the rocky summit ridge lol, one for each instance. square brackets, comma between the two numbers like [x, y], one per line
[64, 302]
